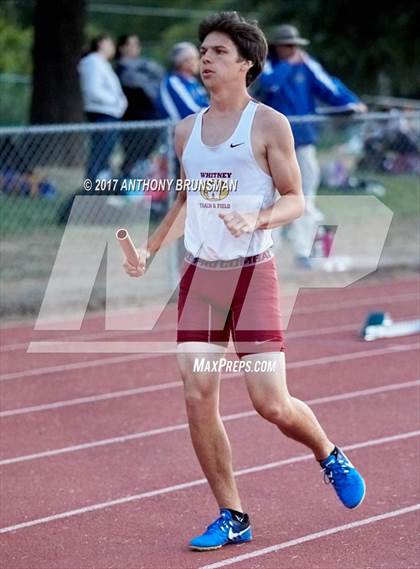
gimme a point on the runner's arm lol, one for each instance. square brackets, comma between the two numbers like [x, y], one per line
[284, 169]
[172, 225]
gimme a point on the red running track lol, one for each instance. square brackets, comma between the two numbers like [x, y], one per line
[97, 469]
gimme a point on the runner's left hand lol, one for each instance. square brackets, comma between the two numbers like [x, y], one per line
[239, 223]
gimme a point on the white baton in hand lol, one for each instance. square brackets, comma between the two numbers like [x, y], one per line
[127, 246]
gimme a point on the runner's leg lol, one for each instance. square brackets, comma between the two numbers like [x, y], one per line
[272, 400]
[208, 434]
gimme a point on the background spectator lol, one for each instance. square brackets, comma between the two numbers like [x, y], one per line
[104, 100]
[291, 82]
[181, 94]
[140, 79]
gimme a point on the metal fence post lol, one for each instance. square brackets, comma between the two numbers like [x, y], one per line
[175, 247]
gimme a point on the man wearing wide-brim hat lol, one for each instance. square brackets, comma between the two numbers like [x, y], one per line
[287, 35]
[291, 83]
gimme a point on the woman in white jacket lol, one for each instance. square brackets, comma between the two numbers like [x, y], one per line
[103, 98]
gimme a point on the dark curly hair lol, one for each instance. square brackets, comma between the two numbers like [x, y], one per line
[246, 35]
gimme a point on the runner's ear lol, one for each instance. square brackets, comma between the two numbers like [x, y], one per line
[247, 64]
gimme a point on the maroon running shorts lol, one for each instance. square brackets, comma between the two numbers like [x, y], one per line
[238, 297]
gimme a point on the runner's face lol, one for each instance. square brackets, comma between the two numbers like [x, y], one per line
[220, 62]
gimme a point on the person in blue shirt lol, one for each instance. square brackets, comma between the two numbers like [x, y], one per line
[181, 94]
[291, 83]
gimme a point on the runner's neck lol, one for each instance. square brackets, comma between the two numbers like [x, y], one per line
[224, 102]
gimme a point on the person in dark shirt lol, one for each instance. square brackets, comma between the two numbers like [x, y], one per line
[140, 80]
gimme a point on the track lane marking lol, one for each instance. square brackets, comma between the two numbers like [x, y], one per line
[184, 426]
[167, 328]
[312, 537]
[126, 359]
[194, 483]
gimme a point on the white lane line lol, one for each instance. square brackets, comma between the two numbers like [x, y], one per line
[373, 302]
[325, 331]
[104, 361]
[89, 316]
[110, 334]
[92, 399]
[174, 384]
[146, 348]
[124, 359]
[183, 426]
[312, 537]
[193, 483]
[388, 283]
[106, 334]
[354, 355]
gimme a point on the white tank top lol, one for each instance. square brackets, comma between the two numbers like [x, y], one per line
[215, 170]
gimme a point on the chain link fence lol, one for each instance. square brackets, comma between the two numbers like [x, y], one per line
[103, 176]
[43, 181]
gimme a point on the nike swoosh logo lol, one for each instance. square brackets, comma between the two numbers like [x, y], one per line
[235, 145]
[233, 535]
[264, 341]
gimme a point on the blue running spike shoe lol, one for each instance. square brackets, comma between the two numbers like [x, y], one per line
[346, 480]
[222, 531]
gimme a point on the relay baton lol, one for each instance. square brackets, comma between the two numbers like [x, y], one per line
[127, 246]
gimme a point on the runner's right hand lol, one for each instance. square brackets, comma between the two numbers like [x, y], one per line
[140, 269]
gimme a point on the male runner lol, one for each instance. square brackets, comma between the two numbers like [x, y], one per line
[229, 285]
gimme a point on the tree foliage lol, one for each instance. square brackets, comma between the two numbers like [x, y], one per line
[355, 40]
[15, 46]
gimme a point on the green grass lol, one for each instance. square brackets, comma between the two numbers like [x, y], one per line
[402, 192]
[23, 215]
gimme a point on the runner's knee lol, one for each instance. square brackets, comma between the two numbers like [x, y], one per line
[278, 412]
[200, 393]
[200, 405]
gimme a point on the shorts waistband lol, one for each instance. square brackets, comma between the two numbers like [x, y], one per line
[231, 263]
